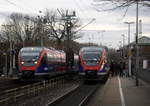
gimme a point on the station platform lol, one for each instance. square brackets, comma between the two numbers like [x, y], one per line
[122, 91]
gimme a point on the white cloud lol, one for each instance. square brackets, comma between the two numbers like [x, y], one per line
[106, 27]
[111, 21]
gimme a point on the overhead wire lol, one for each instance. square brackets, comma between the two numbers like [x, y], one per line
[16, 5]
[86, 8]
[27, 5]
[83, 9]
[94, 24]
[81, 12]
[79, 8]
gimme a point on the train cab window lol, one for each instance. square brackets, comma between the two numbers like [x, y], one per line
[44, 59]
[91, 56]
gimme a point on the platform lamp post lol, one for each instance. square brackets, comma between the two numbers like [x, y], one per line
[123, 40]
[129, 48]
[120, 46]
[137, 50]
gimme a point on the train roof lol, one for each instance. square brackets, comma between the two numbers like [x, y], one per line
[31, 48]
[39, 49]
[91, 49]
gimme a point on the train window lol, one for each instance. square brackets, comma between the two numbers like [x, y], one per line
[50, 57]
[56, 57]
[90, 56]
[37, 49]
[28, 55]
[59, 57]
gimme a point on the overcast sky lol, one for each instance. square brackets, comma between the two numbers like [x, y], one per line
[110, 21]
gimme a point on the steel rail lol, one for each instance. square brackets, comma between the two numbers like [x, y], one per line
[71, 96]
[13, 94]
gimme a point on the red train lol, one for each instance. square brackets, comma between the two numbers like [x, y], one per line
[93, 63]
[40, 62]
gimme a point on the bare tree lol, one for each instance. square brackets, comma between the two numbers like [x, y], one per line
[31, 30]
[14, 28]
[24, 28]
[5, 33]
[112, 5]
[57, 27]
[117, 4]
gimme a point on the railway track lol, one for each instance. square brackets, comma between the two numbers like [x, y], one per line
[76, 97]
[6, 84]
[30, 89]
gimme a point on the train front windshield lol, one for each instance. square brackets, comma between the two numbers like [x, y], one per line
[91, 56]
[29, 56]
[91, 59]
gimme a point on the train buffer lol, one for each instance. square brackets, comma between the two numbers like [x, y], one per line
[121, 91]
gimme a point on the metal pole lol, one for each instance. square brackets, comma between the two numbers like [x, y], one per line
[23, 39]
[129, 48]
[5, 71]
[41, 26]
[123, 39]
[123, 44]
[6, 64]
[129, 64]
[67, 40]
[23, 42]
[41, 41]
[10, 65]
[140, 28]
[10, 52]
[128, 34]
[14, 63]
[137, 47]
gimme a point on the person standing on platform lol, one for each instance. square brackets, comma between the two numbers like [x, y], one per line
[121, 69]
[112, 68]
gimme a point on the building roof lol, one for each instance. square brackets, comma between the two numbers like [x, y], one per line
[142, 40]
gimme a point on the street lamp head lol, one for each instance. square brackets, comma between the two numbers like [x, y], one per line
[122, 35]
[40, 11]
[129, 22]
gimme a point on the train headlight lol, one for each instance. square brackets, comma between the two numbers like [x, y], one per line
[22, 62]
[46, 68]
[35, 62]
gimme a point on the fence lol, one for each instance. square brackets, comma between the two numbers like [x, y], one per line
[16, 94]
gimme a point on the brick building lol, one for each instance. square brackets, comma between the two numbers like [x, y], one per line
[144, 57]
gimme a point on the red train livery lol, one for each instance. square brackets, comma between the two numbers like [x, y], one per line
[93, 63]
[40, 62]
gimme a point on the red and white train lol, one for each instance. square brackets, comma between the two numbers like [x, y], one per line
[93, 63]
[40, 62]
